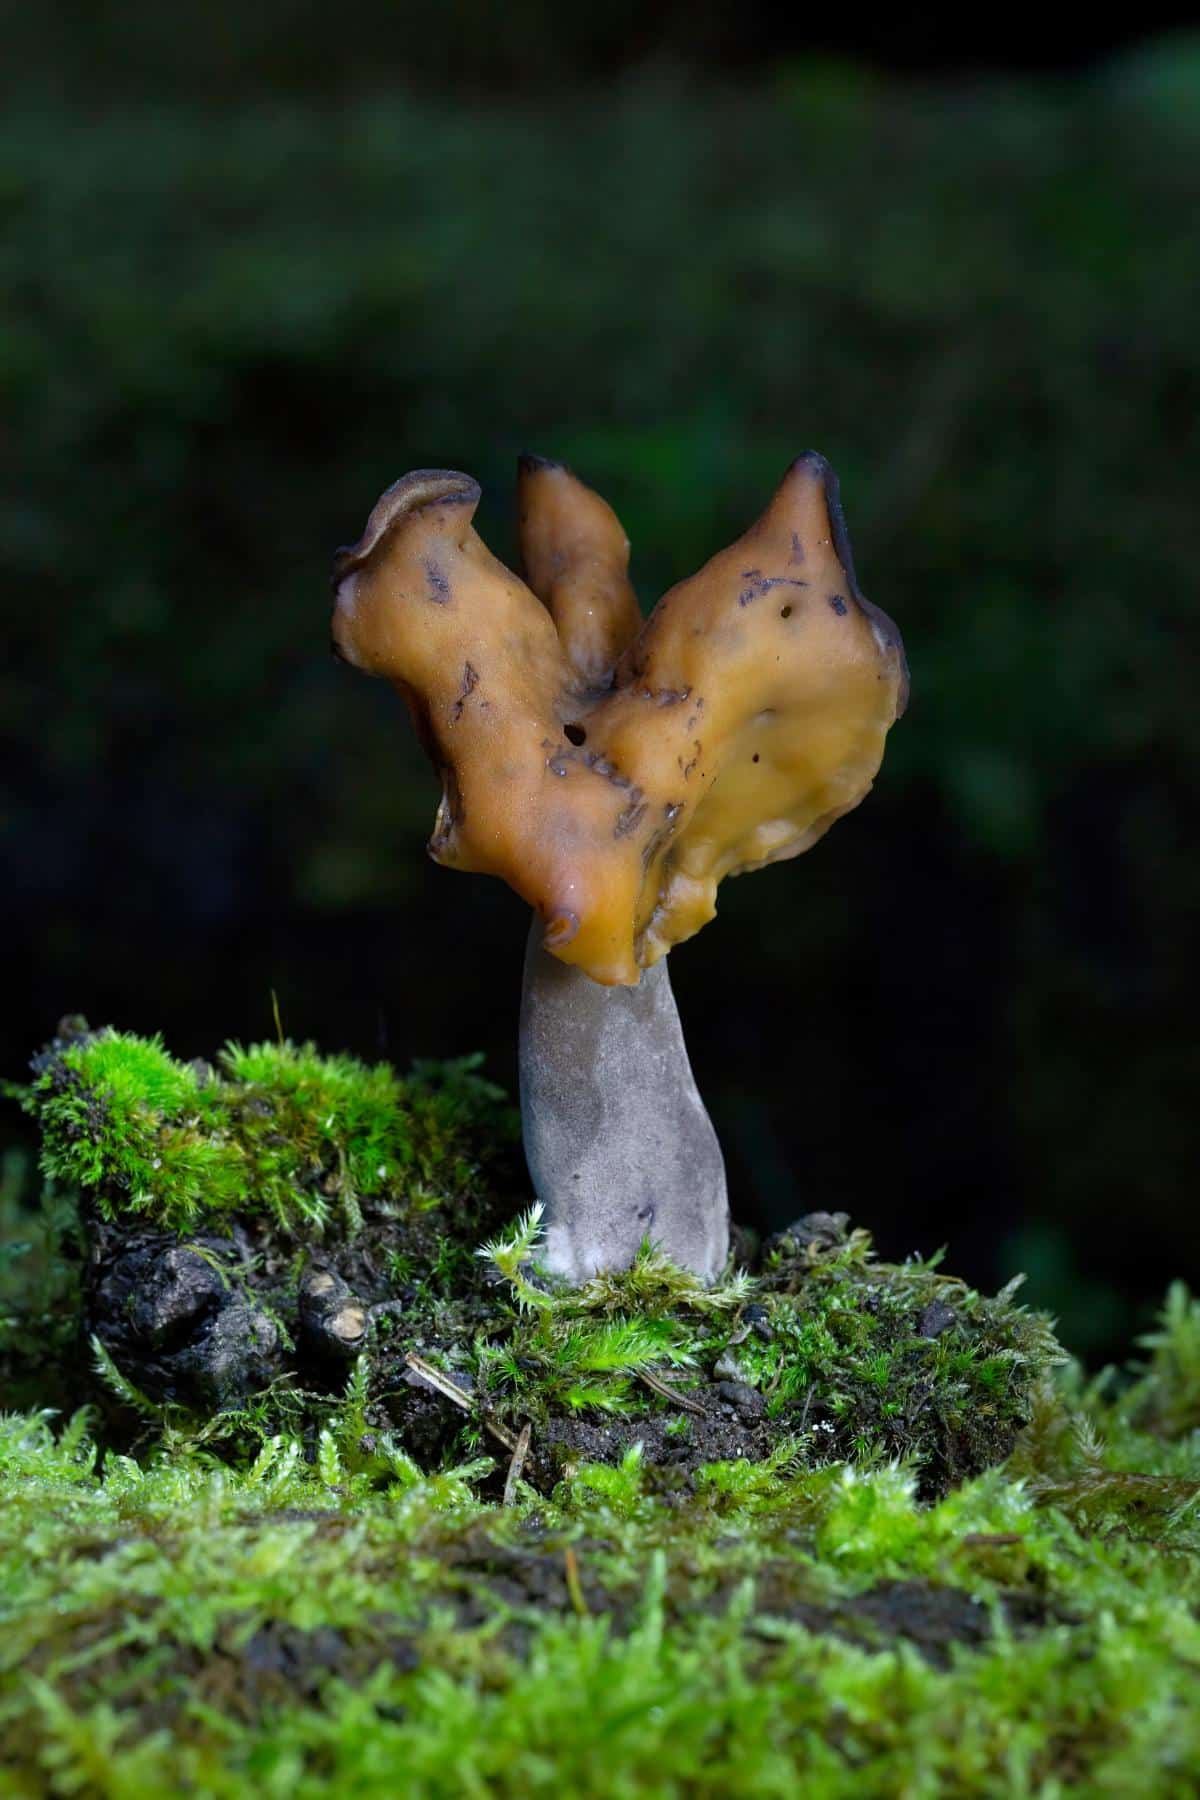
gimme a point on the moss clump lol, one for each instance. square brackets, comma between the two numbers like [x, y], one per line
[1166, 1400]
[894, 1360]
[840, 1355]
[275, 1129]
[249, 1226]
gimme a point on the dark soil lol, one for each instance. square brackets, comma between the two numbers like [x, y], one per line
[207, 1321]
[720, 1432]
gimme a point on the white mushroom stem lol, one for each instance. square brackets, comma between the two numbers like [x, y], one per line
[618, 1143]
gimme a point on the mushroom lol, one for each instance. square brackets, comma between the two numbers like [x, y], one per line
[613, 772]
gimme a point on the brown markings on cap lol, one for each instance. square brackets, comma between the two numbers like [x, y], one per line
[560, 930]
[569, 780]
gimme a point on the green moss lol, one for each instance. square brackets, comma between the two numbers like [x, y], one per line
[640, 1537]
[897, 1360]
[305, 1623]
[848, 1356]
[39, 1287]
[276, 1129]
[1166, 1400]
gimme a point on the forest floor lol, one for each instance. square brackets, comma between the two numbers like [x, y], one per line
[314, 1483]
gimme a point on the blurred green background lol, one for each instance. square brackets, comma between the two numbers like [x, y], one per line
[248, 276]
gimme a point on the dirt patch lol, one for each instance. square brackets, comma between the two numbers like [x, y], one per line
[206, 1321]
[933, 1618]
[554, 1578]
[674, 1445]
[243, 1675]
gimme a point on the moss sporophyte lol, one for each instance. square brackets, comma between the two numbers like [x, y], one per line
[357, 1487]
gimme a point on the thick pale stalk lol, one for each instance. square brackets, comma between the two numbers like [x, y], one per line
[618, 1142]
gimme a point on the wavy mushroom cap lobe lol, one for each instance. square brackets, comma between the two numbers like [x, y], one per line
[575, 557]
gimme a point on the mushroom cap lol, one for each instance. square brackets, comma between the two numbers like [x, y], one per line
[576, 559]
[614, 771]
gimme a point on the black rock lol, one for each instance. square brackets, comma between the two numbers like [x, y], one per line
[233, 1356]
[747, 1400]
[177, 1319]
[816, 1230]
[936, 1318]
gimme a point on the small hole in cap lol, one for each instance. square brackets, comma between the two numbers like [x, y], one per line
[786, 613]
[575, 734]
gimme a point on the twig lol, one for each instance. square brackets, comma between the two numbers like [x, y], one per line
[574, 1585]
[664, 1388]
[438, 1379]
[501, 1433]
[517, 1464]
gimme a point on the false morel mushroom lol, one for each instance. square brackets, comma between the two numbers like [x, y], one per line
[613, 771]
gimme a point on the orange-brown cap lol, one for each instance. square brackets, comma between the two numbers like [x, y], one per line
[614, 772]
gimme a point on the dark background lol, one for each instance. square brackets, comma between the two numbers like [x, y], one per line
[256, 262]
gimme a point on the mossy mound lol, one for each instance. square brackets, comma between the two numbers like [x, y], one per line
[367, 1507]
[248, 1225]
[274, 1132]
[254, 1227]
[824, 1352]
